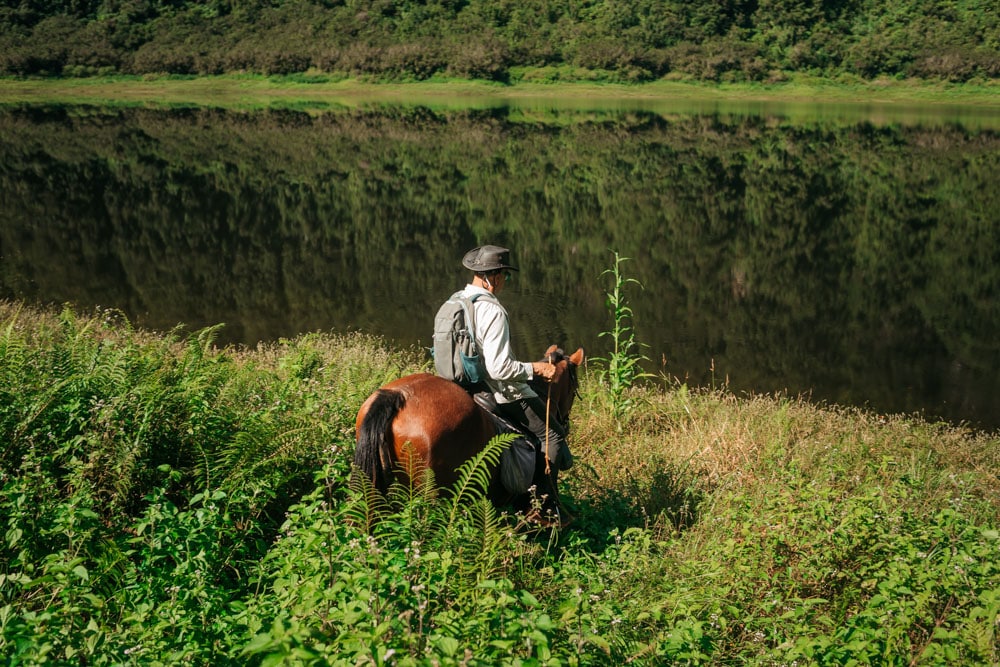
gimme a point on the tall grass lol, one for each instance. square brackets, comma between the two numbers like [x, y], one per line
[620, 370]
[164, 501]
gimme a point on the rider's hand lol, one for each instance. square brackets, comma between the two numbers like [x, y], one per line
[546, 371]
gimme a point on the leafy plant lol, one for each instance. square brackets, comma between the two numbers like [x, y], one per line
[418, 578]
[623, 365]
[776, 532]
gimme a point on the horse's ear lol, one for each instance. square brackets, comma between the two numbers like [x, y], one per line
[577, 357]
[551, 350]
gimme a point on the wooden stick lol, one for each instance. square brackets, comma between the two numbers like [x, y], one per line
[548, 404]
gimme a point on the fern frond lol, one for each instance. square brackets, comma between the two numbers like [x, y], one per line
[15, 366]
[12, 348]
[414, 480]
[366, 505]
[489, 535]
[474, 475]
[205, 339]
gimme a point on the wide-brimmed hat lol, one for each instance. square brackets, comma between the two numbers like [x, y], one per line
[487, 258]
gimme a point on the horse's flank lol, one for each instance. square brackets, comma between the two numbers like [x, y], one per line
[441, 423]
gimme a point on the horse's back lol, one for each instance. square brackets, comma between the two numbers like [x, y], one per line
[434, 407]
[438, 421]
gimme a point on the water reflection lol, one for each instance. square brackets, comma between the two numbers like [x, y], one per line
[855, 261]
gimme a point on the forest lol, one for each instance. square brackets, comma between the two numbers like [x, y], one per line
[506, 40]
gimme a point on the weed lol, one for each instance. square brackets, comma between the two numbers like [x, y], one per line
[623, 366]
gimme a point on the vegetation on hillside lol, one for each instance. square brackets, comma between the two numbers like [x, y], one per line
[164, 501]
[752, 40]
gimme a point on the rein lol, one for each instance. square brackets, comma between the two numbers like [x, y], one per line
[548, 406]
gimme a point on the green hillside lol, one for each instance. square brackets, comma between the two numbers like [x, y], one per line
[506, 40]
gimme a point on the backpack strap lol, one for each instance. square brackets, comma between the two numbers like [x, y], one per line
[469, 305]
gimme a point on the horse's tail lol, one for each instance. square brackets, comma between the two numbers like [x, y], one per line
[375, 454]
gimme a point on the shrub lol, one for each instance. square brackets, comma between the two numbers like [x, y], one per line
[419, 60]
[281, 62]
[486, 58]
[159, 58]
[956, 64]
[91, 48]
[715, 60]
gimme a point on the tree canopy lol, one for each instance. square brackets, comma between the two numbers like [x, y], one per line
[727, 40]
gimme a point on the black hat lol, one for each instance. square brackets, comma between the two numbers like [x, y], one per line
[487, 258]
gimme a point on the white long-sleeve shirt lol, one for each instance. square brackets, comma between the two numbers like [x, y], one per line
[507, 377]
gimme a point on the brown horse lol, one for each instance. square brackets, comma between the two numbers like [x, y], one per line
[430, 422]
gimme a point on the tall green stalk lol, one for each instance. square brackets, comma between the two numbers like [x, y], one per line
[623, 366]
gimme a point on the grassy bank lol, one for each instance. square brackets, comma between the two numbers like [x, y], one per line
[251, 91]
[165, 501]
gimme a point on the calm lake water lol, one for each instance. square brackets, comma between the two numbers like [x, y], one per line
[850, 254]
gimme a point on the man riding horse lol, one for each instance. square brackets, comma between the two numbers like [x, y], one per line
[507, 378]
[425, 422]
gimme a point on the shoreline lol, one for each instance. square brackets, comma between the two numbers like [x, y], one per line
[319, 90]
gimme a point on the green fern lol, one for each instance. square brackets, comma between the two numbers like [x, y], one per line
[367, 506]
[488, 536]
[13, 352]
[15, 362]
[200, 345]
[239, 462]
[475, 474]
[410, 492]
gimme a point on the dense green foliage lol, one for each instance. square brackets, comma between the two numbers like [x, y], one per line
[818, 255]
[957, 40]
[166, 502]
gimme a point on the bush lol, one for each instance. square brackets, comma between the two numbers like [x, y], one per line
[159, 58]
[877, 54]
[46, 50]
[956, 64]
[278, 62]
[419, 60]
[602, 53]
[92, 49]
[719, 60]
[486, 58]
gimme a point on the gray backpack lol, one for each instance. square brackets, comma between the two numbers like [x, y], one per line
[456, 355]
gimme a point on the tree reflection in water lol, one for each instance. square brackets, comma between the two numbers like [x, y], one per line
[855, 262]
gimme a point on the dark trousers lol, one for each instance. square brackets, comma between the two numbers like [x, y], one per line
[529, 414]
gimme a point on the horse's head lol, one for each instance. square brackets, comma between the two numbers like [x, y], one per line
[563, 390]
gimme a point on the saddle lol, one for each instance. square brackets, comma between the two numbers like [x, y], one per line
[517, 462]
